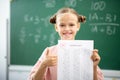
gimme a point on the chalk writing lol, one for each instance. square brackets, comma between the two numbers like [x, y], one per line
[37, 36]
[49, 3]
[22, 35]
[98, 5]
[108, 30]
[111, 30]
[36, 19]
[111, 24]
[110, 17]
[107, 17]
[107, 23]
[108, 20]
[70, 3]
[31, 19]
[25, 34]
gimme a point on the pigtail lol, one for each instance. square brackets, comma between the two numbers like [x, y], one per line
[53, 19]
[81, 18]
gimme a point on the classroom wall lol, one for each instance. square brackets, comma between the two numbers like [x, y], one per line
[4, 19]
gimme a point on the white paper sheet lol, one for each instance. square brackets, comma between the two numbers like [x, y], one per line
[74, 60]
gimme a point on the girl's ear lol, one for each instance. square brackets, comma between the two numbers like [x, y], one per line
[78, 28]
[56, 28]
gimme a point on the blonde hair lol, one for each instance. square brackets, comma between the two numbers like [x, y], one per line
[66, 10]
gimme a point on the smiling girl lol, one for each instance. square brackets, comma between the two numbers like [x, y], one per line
[67, 24]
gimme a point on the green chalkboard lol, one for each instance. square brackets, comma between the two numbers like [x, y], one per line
[31, 32]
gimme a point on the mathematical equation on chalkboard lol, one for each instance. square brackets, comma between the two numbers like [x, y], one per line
[99, 21]
[69, 3]
[102, 23]
[36, 36]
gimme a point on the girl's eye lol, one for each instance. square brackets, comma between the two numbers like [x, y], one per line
[72, 25]
[62, 25]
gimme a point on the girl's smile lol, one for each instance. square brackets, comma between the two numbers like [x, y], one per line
[67, 34]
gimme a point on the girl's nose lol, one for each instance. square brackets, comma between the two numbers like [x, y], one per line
[67, 28]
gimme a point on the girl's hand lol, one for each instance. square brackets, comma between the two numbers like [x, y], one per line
[95, 57]
[50, 60]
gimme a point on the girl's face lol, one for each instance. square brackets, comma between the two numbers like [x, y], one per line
[67, 26]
